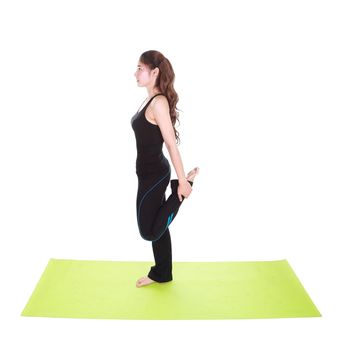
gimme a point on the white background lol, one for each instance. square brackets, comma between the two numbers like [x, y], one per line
[259, 90]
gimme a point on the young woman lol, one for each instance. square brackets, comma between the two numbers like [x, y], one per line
[153, 125]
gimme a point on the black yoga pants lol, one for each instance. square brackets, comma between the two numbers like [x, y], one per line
[154, 215]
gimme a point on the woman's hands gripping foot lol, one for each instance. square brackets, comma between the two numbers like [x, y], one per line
[185, 188]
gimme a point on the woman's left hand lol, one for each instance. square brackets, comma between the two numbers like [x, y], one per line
[184, 189]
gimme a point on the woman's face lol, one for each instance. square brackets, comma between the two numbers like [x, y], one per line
[143, 75]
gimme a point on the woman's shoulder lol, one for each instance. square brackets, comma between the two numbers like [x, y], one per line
[160, 100]
[158, 107]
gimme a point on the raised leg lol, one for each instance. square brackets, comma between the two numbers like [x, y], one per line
[167, 212]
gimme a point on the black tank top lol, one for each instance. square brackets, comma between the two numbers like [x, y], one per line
[149, 143]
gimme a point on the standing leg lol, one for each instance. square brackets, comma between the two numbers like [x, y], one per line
[154, 216]
[162, 249]
[151, 196]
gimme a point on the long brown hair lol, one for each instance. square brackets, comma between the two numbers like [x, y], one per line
[164, 82]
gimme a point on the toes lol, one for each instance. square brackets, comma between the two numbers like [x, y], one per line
[143, 281]
[192, 174]
[139, 281]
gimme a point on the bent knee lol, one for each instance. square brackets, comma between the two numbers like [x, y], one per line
[147, 237]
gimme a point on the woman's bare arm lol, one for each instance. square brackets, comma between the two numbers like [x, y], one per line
[160, 109]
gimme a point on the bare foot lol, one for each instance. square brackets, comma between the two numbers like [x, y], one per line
[192, 174]
[143, 281]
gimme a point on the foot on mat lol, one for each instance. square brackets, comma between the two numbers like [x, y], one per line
[144, 281]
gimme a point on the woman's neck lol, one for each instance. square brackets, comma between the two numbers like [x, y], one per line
[152, 93]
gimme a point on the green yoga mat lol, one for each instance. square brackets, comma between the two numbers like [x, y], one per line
[199, 290]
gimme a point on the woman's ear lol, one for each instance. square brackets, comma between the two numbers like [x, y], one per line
[156, 71]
